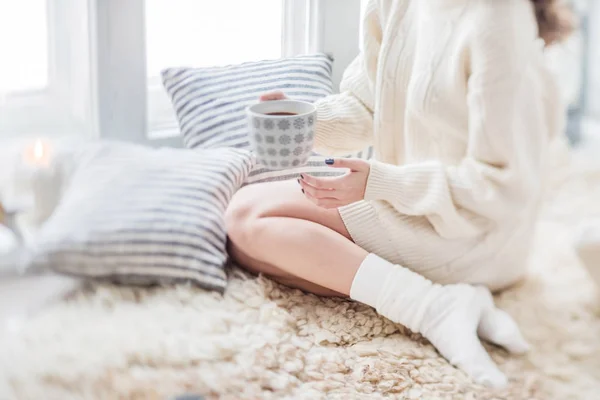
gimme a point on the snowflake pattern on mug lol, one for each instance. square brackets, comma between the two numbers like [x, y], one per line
[299, 138]
[295, 163]
[273, 163]
[298, 151]
[285, 163]
[269, 124]
[285, 139]
[298, 123]
[311, 135]
[284, 152]
[311, 120]
[284, 124]
[258, 137]
[270, 139]
[256, 123]
[272, 152]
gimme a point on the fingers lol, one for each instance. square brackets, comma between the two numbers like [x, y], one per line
[277, 95]
[330, 183]
[321, 196]
[327, 203]
[353, 164]
[497, 327]
[478, 364]
[317, 192]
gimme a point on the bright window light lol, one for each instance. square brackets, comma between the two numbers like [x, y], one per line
[23, 45]
[201, 33]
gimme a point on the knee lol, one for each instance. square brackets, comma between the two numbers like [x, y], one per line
[241, 217]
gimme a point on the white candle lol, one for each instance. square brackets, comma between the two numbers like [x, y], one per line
[38, 154]
[32, 173]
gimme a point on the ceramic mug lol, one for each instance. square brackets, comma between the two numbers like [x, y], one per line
[282, 132]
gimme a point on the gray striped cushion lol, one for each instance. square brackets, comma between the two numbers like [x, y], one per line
[144, 216]
[210, 102]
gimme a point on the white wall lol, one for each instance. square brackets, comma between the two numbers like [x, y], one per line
[593, 78]
[340, 33]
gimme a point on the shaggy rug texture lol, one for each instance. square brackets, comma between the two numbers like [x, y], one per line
[265, 341]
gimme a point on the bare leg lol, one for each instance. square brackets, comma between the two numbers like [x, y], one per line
[278, 274]
[275, 230]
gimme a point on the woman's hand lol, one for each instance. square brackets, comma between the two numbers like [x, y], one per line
[277, 95]
[333, 192]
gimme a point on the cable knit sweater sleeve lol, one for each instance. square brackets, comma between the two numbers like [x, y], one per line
[345, 120]
[508, 129]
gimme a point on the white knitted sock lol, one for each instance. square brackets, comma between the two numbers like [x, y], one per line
[449, 316]
[369, 279]
[394, 291]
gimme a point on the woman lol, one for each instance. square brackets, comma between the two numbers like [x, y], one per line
[455, 99]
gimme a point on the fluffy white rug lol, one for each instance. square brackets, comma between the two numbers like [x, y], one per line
[266, 341]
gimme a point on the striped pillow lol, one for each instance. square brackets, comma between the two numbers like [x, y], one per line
[210, 103]
[144, 216]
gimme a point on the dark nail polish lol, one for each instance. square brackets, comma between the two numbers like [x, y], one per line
[298, 180]
[302, 176]
[329, 161]
[302, 190]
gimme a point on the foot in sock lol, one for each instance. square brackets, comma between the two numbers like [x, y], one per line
[452, 317]
[457, 318]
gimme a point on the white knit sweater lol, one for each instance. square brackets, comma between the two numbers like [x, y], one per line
[457, 102]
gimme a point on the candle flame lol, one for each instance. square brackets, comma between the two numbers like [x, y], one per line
[38, 150]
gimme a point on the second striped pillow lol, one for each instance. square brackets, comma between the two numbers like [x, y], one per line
[210, 103]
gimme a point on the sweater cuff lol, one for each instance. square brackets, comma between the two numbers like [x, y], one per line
[383, 181]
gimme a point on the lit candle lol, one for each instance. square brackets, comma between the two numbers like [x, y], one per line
[38, 154]
[30, 182]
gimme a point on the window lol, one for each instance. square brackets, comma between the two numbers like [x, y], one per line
[92, 67]
[44, 74]
[24, 64]
[201, 33]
